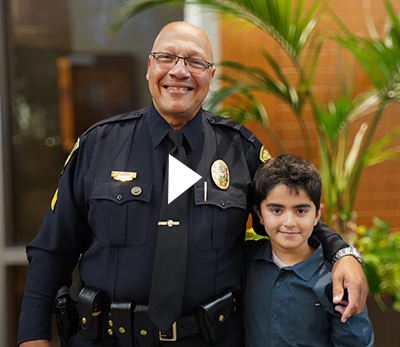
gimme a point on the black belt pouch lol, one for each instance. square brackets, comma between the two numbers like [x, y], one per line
[93, 305]
[121, 315]
[213, 315]
[143, 328]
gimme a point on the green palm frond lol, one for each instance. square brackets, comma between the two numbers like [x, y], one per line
[342, 159]
[257, 79]
[243, 107]
[379, 57]
[288, 22]
[381, 151]
[334, 119]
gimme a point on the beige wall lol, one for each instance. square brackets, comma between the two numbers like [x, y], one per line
[379, 193]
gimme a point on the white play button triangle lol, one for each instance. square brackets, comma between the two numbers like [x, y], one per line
[180, 178]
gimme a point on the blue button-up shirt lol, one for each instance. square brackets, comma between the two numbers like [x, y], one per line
[292, 306]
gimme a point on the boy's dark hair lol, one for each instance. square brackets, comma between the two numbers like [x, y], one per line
[292, 171]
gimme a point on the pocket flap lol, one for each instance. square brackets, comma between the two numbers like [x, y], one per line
[218, 310]
[121, 192]
[232, 197]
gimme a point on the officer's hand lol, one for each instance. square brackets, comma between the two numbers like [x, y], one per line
[348, 274]
[36, 343]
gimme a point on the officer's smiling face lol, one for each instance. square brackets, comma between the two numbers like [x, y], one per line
[177, 93]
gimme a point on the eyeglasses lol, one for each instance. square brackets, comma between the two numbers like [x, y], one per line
[169, 60]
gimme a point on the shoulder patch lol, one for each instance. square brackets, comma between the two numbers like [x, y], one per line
[264, 155]
[54, 200]
[76, 146]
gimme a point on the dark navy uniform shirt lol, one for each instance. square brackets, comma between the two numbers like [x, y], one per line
[99, 220]
[292, 306]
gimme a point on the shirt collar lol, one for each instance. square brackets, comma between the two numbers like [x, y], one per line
[306, 268]
[159, 127]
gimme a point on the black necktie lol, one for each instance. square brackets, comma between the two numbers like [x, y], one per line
[168, 281]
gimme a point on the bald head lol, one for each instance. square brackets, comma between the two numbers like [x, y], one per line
[183, 31]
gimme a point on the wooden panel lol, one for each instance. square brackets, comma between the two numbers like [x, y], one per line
[379, 193]
[91, 88]
[40, 23]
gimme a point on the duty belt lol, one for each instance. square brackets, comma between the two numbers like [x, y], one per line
[100, 320]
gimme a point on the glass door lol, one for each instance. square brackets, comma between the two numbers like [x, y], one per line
[60, 72]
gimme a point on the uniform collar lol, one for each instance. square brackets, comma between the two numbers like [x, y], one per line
[159, 127]
[306, 268]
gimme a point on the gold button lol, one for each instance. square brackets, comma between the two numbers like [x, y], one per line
[143, 332]
[234, 300]
[83, 320]
[110, 332]
[221, 317]
[234, 309]
[110, 323]
[121, 330]
[136, 190]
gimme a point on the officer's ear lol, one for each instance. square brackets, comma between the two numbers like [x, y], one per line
[258, 213]
[148, 67]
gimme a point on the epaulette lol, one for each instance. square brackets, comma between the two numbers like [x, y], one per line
[246, 133]
[214, 119]
[118, 118]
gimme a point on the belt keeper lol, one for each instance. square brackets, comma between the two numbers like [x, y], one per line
[121, 316]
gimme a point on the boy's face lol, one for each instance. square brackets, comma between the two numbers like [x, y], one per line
[288, 218]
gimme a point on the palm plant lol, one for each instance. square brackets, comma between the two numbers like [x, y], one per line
[342, 158]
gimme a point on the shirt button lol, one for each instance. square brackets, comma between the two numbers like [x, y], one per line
[223, 203]
[275, 316]
[277, 284]
[119, 197]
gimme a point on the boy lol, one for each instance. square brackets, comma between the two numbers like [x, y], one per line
[288, 297]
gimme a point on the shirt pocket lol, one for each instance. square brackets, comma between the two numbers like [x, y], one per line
[120, 212]
[219, 217]
[297, 313]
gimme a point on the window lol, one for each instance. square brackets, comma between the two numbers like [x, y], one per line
[60, 72]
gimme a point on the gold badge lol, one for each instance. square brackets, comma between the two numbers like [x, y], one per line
[220, 174]
[123, 176]
[264, 155]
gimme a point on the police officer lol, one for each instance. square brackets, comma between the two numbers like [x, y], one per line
[106, 210]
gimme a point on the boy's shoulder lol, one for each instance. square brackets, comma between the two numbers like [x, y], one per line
[251, 247]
